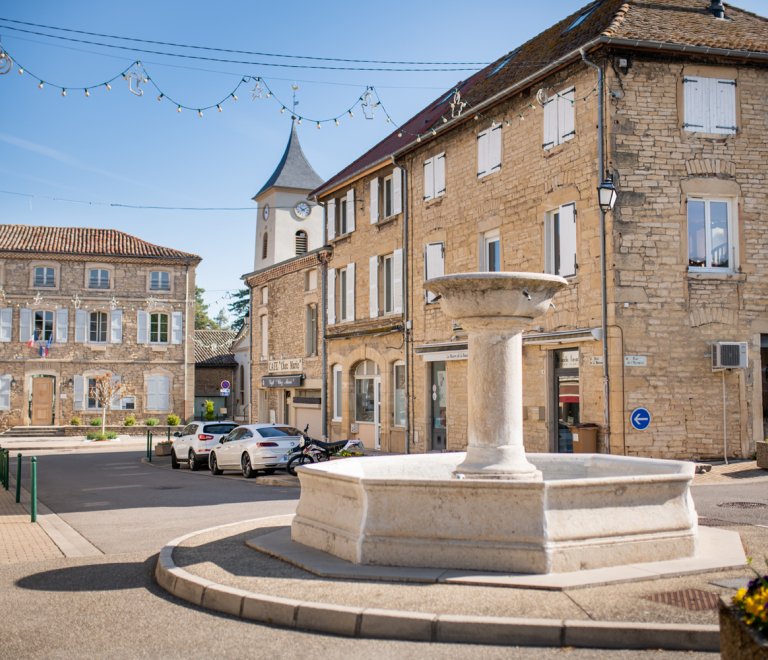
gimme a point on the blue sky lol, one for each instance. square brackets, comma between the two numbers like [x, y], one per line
[115, 147]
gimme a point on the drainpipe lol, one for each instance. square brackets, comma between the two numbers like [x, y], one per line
[186, 345]
[324, 292]
[603, 293]
[406, 308]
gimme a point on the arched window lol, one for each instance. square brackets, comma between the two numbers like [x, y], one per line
[301, 241]
[264, 246]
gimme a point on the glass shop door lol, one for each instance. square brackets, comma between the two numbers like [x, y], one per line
[439, 395]
[566, 397]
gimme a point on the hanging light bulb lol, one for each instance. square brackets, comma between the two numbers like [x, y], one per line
[199, 113]
[86, 93]
[178, 109]
[445, 121]
[350, 114]
[63, 92]
[521, 117]
[268, 93]
[21, 70]
[160, 98]
[418, 138]
[318, 125]
[493, 122]
[282, 110]
[299, 120]
[400, 134]
[41, 84]
[433, 132]
[219, 107]
[125, 77]
[108, 85]
[477, 117]
[387, 119]
[234, 97]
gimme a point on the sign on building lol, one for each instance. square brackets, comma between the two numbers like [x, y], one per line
[281, 381]
[635, 361]
[286, 366]
[446, 356]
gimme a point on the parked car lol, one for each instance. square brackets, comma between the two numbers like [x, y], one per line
[253, 448]
[192, 445]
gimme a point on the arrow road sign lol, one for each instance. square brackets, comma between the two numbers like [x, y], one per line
[640, 418]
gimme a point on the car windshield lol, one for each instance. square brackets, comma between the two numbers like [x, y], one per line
[279, 432]
[219, 429]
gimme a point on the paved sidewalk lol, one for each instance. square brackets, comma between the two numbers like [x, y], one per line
[734, 472]
[74, 442]
[20, 539]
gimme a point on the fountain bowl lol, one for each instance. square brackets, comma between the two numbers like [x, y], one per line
[589, 511]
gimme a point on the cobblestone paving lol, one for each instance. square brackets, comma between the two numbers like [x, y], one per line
[20, 539]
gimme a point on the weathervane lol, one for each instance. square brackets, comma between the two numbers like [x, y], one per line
[295, 102]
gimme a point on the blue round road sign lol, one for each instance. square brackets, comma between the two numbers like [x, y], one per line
[640, 418]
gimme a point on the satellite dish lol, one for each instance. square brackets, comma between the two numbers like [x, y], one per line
[541, 97]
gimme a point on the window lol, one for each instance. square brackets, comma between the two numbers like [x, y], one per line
[44, 325]
[559, 126]
[345, 293]
[488, 151]
[342, 217]
[364, 390]
[388, 284]
[434, 265]
[490, 260]
[398, 388]
[581, 18]
[710, 105]
[159, 280]
[504, 62]
[128, 403]
[98, 278]
[158, 328]
[45, 276]
[158, 390]
[310, 318]
[342, 294]
[98, 328]
[5, 392]
[387, 193]
[264, 246]
[264, 295]
[337, 400]
[710, 235]
[301, 242]
[310, 280]
[242, 384]
[93, 403]
[264, 337]
[560, 237]
[434, 177]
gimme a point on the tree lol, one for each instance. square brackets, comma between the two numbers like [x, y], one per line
[202, 320]
[105, 391]
[239, 308]
[222, 320]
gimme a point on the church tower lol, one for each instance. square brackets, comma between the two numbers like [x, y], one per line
[288, 223]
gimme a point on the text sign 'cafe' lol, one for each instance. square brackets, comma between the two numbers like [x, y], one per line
[286, 366]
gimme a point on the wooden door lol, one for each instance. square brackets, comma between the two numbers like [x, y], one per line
[42, 401]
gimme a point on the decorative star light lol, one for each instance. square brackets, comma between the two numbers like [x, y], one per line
[113, 303]
[76, 301]
[138, 74]
[151, 302]
[457, 107]
[257, 90]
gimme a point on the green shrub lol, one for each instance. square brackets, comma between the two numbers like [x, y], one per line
[173, 420]
[75, 421]
[209, 414]
[98, 435]
[152, 421]
[130, 421]
[95, 421]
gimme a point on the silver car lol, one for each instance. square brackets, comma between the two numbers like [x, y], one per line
[192, 445]
[254, 447]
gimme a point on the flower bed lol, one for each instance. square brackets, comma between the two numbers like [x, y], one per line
[744, 626]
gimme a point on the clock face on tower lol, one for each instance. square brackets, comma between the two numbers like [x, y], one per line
[302, 210]
[266, 212]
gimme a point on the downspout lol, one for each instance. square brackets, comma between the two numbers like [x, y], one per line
[406, 309]
[603, 286]
[186, 345]
[324, 292]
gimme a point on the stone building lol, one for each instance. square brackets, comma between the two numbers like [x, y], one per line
[501, 173]
[215, 364]
[241, 349]
[81, 303]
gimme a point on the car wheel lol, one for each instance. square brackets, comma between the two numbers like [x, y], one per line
[269, 471]
[248, 471]
[214, 465]
[296, 461]
[174, 460]
[193, 464]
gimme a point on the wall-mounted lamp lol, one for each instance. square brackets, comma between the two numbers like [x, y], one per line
[13, 382]
[70, 382]
[606, 194]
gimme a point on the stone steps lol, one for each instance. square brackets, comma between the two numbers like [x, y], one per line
[33, 432]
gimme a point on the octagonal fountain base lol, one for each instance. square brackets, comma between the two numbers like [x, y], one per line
[589, 511]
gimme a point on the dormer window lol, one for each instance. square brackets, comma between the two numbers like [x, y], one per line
[583, 16]
[45, 276]
[98, 278]
[159, 280]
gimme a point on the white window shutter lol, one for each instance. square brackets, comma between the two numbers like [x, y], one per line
[62, 325]
[25, 325]
[6, 324]
[440, 175]
[434, 255]
[264, 336]
[397, 276]
[374, 206]
[482, 154]
[79, 402]
[397, 191]
[177, 327]
[567, 240]
[565, 116]
[351, 210]
[164, 394]
[142, 327]
[81, 326]
[331, 218]
[116, 403]
[332, 296]
[694, 103]
[152, 393]
[373, 286]
[116, 327]
[350, 292]
[429, 179]
[549, 244]
[5, 392]
[725, 103]
[550, 123]
[494, 149]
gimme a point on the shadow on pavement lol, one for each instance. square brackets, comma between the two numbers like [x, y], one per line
[94, 577]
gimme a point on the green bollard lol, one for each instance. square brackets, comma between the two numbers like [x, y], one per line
[7, 467]
[2, 468]
[18, 478]
[33, 489]
[147, 444]
[150, 446]
[169, 434]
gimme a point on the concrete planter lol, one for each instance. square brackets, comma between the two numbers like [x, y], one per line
[163, 449]
[737, 640]
[762, 455]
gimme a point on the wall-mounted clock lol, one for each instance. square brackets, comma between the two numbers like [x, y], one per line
[303, 210]
[266, 212]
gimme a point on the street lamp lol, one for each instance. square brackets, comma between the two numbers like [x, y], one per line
[606, 194]
[13, 382]
[70, 383]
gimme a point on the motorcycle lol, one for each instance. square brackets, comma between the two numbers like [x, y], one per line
[314, 451]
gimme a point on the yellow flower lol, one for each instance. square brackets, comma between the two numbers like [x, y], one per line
[740, 594]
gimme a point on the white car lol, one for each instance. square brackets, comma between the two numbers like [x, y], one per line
[192, 445]
[254, 447]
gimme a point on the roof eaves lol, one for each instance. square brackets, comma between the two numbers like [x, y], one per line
[324, 248]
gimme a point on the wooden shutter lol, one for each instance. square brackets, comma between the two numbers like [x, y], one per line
[429, 179]
[482, 154]
[567, 240]
[81, 326]
[62, 325]
[724, 116]
[152, 393]
[264, 336]
[163, 393]
[25, 325]
[79, 401]
[434, 265]
[373, 287]
[549, 245]
[550, 123]
[694, 101]
[397, 276]
[331, 296]
[566, 127]
[397, 191]
[440, 175]
[351, 210]
[494, 149]
[5, 392]
[116, 403]
[331, 219]
[6, 324]
[142, 327]
[350, 292]
[177, 327]
[374, 206]
[116, 327]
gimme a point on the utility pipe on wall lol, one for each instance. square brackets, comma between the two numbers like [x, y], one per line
[406, 288]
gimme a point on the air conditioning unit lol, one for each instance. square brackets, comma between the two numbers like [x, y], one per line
[729, 355]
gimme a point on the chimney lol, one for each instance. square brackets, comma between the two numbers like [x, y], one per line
[716, 9]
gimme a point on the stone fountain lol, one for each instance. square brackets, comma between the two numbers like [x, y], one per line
[494, 508]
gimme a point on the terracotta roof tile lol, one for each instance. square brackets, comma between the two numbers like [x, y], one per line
[212, 348]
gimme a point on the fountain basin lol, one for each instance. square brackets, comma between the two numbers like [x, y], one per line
[589, 511]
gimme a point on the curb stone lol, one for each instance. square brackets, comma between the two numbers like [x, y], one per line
[420, 626]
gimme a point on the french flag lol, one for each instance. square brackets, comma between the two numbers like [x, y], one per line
[33, 340]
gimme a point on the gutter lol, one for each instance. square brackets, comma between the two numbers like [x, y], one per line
[324, 248]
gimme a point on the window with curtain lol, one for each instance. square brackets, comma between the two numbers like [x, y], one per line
[159, 280]
[45, 276]
[98, 278]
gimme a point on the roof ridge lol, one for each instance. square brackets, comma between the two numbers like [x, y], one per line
[618, 19]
